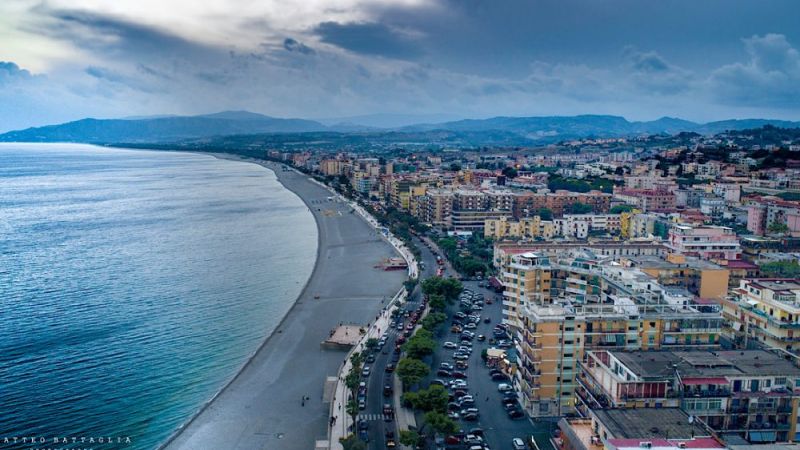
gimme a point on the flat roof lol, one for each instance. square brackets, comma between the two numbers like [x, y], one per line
[706, 364]
[648, 423]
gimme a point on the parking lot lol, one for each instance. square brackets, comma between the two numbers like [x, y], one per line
[486, 409]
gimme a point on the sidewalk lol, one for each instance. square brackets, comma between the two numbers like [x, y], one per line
[343, 421]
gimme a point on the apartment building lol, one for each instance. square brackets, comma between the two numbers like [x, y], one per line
[559, 309]
[706, 242]
[764, 311]
[527, 204]
[745, 393]
[702, 278]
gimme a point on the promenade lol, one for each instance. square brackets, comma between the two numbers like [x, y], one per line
[263, 407]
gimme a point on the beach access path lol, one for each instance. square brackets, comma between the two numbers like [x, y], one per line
[262, 408]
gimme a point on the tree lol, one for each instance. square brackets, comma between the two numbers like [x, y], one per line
[440, 422]
[411, 371]
[437, 302]
[410, 284]
[432, 321]
[778, 228]
[409, 438]
[781, 269]
[420, 345]
[579, 208]
[434, 398]
[510, 172]
[545, 214]
[620, 209]
[352, 442]
[371, 344]
[455, 167]
[449, 288]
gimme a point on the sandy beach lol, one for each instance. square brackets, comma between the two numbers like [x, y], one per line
[262, 407]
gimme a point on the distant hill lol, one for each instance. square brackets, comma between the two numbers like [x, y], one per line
[521, 131]
[162, 129]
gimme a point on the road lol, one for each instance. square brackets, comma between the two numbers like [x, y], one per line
[373, 413]
[498, 428]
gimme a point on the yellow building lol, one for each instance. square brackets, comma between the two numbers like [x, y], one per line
[531, 227]
[557, 310]
[764, 310]
[703, 278]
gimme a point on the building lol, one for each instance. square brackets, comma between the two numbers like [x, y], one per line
[706, 242]
[620, 429]
[558, 309]
[764, 311]
[748, 393]
[527, 204]
[702, 278]
[646, 200]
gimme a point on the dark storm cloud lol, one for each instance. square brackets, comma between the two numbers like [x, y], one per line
[293, 45]
[374, 39]
[120, 38]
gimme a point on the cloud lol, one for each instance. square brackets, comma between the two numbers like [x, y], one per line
[373, 39]
[10, 72]
[649, 71]
[293, 45]
[770, 77]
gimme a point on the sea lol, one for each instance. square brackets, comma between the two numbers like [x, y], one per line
[134, 285]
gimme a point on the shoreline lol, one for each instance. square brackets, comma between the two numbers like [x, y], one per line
[178, 431]
[226, 413]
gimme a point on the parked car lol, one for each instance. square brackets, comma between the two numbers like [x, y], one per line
[389, 368]
[443, 373]
[365, 371]
[504, 387]
[446, 366]
[450, 345]
[387, 390]
[518, 444]
[459, 374]
[516, 414]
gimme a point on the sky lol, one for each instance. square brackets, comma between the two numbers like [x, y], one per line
[63, 60]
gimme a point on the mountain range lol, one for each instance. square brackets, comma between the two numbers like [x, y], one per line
[524, 130]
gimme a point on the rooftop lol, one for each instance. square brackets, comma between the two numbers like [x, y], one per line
[648, 423]
[706, 364]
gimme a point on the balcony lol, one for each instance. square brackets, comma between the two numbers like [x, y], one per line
[704, 393]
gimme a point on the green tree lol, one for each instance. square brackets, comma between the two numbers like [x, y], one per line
[545, 214]
[420, 345]
[409, 438]
[778, 228]
[371, 344]
[440, 423]
[781, 269]
[432, 321]
[455, 167]
[352, 442]
[434, 398]
[411, 371]
[579, 208]
[510, 172]
[437, 302]
[620, 209]
[410, 284]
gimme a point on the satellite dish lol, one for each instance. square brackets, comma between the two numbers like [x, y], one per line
[691, 419]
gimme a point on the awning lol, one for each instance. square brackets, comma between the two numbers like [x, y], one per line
[752, 302]
[708, 380]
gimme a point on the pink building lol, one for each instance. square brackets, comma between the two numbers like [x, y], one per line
[706, 242]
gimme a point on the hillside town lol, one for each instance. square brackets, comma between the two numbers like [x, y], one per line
[652, 274]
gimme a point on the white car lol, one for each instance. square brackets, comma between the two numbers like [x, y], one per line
[450, 345]
[518, 444]
[504, 387]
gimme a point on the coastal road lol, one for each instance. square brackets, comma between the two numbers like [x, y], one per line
[262, 407]
[373, 413]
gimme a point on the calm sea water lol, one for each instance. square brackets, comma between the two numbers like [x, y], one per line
[134, 285]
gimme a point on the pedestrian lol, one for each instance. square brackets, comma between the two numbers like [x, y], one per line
[487, 398]
[303, 401]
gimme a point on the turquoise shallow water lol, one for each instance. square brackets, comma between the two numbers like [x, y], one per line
[134, 284]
